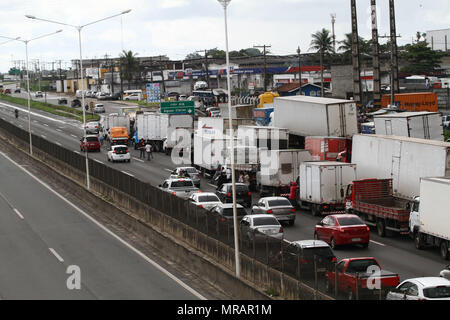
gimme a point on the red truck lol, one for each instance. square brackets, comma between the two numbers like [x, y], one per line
[373, 201]
[361, 278]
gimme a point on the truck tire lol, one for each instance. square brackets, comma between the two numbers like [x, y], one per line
[381, 228]
[444, 250]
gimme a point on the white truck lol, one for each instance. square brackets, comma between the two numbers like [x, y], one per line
[405, 160]
[279, 168]
[323, 185]
[263, 137]
[210, 151]
[179, 125]
[110, 121]
[430, 216]
[422, 125]
[310, 116]
[152, 127]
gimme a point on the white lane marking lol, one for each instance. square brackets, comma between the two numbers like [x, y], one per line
[74, 136]
[60, 259]
[43, 136]
[18, 213]
[59, 144]
[98, 161]
[128, 173]
[59, 130]
[20, 125]
[378, 243]
[112, 234]
[169, 170]
[46, 125]
[76, 151]
[33, 113]
[138, 159]
[209, 184]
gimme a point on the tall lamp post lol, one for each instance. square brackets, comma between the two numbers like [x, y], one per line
[299, 69]
[28, 79]
[79, 29]
[225, 4]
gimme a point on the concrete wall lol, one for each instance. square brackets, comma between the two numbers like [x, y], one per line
[199, 253]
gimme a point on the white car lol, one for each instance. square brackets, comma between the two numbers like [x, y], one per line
[93, 127]
[206, 200]
[99, 108]
[446, 121]
[119, 153]
[132, 97]
[39, 94]
[428, 288]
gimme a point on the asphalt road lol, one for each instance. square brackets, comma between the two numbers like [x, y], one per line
[41, 235]
[396, 254]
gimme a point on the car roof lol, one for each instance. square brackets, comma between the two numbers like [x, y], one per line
[229, 205]
[311, 244]
[238, 184]
[261, 216]
[426, 282]
[91, 136]
[204, 194]
[185, 179]
[273, 198]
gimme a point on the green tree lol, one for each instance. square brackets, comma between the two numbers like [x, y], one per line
[346, 47]
[129, 66]
[419, 58]
[322, 42]
[193, 55]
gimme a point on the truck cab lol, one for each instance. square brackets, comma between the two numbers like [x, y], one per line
[414, 218]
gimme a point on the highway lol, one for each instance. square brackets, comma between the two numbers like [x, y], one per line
[396, 254]
[42, 235]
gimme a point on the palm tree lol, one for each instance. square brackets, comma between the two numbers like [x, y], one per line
[129, 66]
[346, 47]
[322, 42]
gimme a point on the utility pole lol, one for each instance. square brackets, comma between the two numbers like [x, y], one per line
[299, 69]
[357, 90]
[162, 75]
[376, 57]
[333, 21]
[394, 55]
[206, 67]
[264, 47]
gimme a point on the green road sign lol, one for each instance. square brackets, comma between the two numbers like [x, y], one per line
[180, 107]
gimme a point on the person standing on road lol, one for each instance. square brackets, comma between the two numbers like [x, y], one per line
[101, 140]
[142, 149]
[148, 149]
[293, 194]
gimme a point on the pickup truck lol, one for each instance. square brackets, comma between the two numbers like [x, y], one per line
[182, 188]
[362, 278]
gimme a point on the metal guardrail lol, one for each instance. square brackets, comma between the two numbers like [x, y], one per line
[278, 254]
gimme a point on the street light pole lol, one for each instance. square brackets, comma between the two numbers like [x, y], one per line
[299, 69]
[79, 29]
[225, 4]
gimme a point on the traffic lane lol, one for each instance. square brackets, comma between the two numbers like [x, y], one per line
[109, 269]
[396, 254]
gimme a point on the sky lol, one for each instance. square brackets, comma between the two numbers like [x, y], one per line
[178, 27]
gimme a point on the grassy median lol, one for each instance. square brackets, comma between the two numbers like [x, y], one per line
[62, 111]
[447, 134]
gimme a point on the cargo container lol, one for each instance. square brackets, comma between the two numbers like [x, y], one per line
[245, 159]
[326, 148]
[263, 137]
[212, 126]
[110, 121]
[261, 116]
[118, 136]
[424, 101]
[404, 160]
[152, 128]
[210, 151]
[422, 125]
[241, 111]
[310, 116]
[373, 201]
[279, 168]
[178, 126]
[323, 185]
[430, 216]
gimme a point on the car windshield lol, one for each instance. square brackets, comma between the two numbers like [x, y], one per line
[279, 203]
[228, 212]
[350, 221]
[360, 266]
[437, 292]
[92, 139]
[190, 170]
[211, 198]
[324, 252]
[265, 221]
[121, 150]
[181, 184]
[241, 188]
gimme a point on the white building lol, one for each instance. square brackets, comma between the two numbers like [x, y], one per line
[439, 39]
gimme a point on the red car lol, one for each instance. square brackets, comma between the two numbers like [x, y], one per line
[7, 91]
[90, 143]
[343, 229]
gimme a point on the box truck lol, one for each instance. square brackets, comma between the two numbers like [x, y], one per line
[261, 116]
[310, 116]
[404, 160]
[327, 148]
[323, 185]
[178, 126]
[278, 169]
[152, 127]
[109, 121]
[263, 137]
[210, 151]
[241, 111]
[423, 101]
[430, 216]
[422, 125]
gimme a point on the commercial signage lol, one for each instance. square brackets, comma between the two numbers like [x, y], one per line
[153, 93]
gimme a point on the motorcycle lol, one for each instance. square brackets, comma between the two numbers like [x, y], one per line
[16, 113]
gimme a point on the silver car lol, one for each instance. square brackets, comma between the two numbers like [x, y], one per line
[279, 207]
[258, 226]
[99, 108]
[206, 200]
[191, 173]
[428, 288]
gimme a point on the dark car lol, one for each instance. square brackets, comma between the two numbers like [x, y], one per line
[243, 195]
[17, 90]
[75, 103]
[62, 101]
[305, 251]
[90, 143]
[115, 96]
[225, 211]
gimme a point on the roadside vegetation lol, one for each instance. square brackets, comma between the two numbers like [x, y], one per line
[447, 134]
[63, 111]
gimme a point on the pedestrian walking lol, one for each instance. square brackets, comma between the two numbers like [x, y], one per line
[148, 149]
[241, 177]
[293, 194]
[101, 140]
[142, 149]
